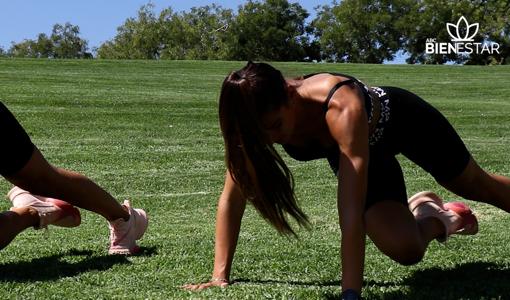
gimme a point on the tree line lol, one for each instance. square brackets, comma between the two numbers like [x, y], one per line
[360, 31]
[64, 42]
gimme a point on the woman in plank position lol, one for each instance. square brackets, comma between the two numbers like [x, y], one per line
[22, 164]
[359, 130]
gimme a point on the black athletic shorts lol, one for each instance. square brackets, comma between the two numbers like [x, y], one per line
[421, 133]
[16, 148]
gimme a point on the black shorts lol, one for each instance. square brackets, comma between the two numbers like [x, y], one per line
[385, 179]
[16, 147]
[422, 134]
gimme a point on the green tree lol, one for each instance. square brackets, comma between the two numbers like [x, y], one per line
[202, 33]
[360, 30]
[44, 46]
[25, 48]
[494, 18]
[40, 48]
[268, 30]
[66, 41]
[137, 38]
[310, 43]
[174, 35]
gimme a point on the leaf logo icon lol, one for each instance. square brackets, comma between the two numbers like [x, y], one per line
[454, 30]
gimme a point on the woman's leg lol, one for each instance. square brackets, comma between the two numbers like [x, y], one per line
[41, 178]
[426, 137]
[23, 165]
[15, 221]
[126, 224]
[396, 232]
[388, 220]
[476, 184]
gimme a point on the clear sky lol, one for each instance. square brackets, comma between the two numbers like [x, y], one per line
[98, 19]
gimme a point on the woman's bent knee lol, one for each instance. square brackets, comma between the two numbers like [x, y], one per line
[409, 258]
[406, 253]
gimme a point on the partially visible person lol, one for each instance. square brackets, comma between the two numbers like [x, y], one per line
[46, 195]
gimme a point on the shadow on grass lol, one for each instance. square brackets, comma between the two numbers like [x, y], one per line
[55, 266]
[478, 280]
[288, 282]
[147, 251]
[329, 283]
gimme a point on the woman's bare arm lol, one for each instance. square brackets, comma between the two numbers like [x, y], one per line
[348, 125]
[230, 211]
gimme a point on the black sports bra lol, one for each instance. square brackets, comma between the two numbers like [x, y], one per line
[363, 87]
[312, 150]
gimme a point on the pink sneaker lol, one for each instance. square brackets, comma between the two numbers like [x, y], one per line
[457, 217]
[469, 222]
[51, 211]
[123, 234]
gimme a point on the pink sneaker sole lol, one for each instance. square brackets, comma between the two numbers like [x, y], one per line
[469, 220]
[123, 251]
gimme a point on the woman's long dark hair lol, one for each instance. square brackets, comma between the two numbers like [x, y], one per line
[260, 172]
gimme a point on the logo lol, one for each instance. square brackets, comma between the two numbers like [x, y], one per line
[462, 22]
[462, 41]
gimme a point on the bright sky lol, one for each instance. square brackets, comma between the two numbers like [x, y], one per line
[98, 19]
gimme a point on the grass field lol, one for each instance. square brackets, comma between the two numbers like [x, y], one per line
[148, 131]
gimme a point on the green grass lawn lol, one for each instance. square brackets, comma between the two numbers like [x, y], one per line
[148, 131]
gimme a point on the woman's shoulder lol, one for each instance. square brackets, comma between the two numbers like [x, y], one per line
[319, 85]
[323, 75]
